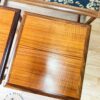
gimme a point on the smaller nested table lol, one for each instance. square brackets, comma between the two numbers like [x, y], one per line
[51, 56]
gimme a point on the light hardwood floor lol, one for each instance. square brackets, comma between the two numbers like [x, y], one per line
[91, 86]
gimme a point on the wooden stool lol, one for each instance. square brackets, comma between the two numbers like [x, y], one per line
[51, 57]
[8, 23]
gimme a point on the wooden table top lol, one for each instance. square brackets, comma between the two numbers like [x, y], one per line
[8, 21]
[50, 57]
[60, 7]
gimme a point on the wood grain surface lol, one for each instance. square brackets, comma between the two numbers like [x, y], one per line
[51, 56]
[6, 19]
[61, 7]
[8, 23]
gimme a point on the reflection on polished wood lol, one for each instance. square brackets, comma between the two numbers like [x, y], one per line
[50, 56]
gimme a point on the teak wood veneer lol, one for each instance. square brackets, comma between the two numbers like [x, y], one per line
[60, 7]
[8, 23]
[50, 57]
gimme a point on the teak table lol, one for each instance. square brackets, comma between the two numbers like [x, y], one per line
[51, 53]
[50, 57]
